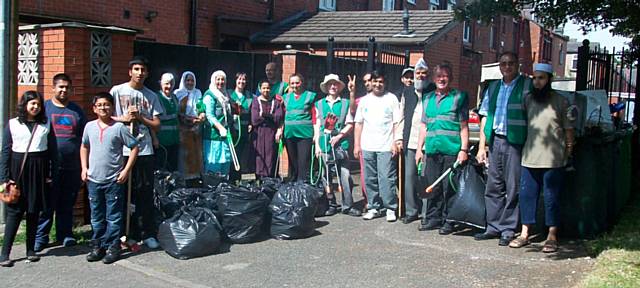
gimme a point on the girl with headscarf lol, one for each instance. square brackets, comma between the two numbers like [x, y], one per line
[217, 154]
[241, 100]
[191, 115]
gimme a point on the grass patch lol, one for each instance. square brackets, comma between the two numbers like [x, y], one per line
[618, 262]
[82, 234]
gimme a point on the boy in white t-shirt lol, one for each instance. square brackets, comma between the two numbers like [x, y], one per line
[376, 121]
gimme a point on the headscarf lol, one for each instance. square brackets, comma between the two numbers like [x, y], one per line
[182, 90]
[221, 95]
[193, 95]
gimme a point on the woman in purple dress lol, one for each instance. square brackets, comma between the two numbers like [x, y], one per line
[267, 118]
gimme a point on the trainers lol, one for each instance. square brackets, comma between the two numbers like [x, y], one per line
[371, 213]
[38, 247]
[69, 241]
[354, 212]
[32, 258]
[331, 211]
[96, 255]
[152, 243]
[391, 215]
[113, 255]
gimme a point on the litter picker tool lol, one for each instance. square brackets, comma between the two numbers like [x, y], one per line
[232, 149]
[446, 172]
[126, 241]
[400, 191]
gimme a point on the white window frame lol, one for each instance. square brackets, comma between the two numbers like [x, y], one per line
[466, 31]
[574, 62]
[327, 5]
[412, 2]
[388, 5]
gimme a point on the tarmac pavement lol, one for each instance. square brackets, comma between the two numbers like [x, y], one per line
[346, 251]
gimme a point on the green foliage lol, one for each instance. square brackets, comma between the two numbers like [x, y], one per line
[621, 16]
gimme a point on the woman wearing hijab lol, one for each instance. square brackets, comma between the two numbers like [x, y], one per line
[267, 118]
[168, 136]
[241, 105]
[191, 115]
[217, 154]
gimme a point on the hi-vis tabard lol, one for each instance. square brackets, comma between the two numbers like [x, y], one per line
[443, 123]
[297, 120]
[340, 108]
[516, 116]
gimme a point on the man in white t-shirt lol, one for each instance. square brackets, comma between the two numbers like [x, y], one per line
[376, 121]
[137, 105]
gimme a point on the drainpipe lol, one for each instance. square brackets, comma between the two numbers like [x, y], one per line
[271, 10]
[8, 60]
[193, 22]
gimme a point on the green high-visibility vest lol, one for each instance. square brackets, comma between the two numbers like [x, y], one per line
[516, 116]
[340, 108]
[443, 123]
[168, 134]
[297, 120]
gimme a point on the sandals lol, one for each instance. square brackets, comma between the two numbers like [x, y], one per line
[519, 242]
[550, 246]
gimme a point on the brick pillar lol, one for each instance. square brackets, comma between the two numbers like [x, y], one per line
[66, 48]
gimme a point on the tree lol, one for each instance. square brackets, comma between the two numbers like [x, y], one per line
[622, 16]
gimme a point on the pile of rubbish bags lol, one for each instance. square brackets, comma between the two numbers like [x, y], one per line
[196, 221]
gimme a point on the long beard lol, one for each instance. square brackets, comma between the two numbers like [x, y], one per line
[420, 85]
[542, 94]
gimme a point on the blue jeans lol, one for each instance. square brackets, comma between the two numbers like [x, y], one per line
[107, 202]
[551, 180]
[381, 179]
[64, 194]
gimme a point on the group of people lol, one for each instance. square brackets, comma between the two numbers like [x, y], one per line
[50, 148]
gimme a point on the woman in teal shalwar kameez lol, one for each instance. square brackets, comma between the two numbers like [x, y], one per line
[217, 155]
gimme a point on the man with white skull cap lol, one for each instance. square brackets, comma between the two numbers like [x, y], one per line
[411, 113]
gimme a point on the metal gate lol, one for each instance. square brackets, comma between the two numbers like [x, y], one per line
[613, 71]
[202, 62]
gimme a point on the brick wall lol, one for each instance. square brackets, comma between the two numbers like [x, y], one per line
[170, 26]
[173, 17]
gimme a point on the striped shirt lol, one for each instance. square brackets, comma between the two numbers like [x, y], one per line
[500, 117]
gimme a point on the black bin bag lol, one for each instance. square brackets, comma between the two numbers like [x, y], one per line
[243, 213]
[192, 232]
[468, 204]
[177, 199]
[293, 211]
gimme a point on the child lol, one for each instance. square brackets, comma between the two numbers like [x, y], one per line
[267, 115]
[102, 169]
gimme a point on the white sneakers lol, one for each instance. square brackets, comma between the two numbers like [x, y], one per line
[391, 216]
[371, 213]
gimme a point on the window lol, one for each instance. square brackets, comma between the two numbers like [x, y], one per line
[493, 30]
[412, 2]
[574, 62]
[451, 4]
[561, 55]
[327, 5]
[516, 35]
[388, 5]
[547, 48]
[466, 32]
[434, 4]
